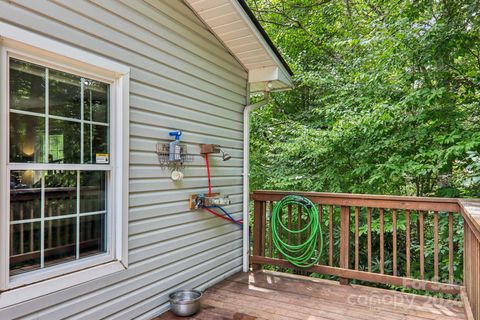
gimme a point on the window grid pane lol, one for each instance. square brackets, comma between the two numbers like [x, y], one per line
[73, 109]
[24, 247]
[56, 217]
[27, 86]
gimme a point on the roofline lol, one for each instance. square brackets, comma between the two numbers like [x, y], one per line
[264, 34]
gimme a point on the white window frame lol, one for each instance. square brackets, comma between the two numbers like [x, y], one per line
[28, 46]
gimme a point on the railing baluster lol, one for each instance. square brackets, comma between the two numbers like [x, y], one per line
[289, 223]
[270, 247]
[87, 227]
[382, 243]
[330, 242]
[467, 260]
[264, 229]
[299, 223]
[394, 241]
[450, 247]
[22, 235]
[407, 241]
[32, 229]
[66, 238]
[357, 255]
[344, 240]
[435, 246]
[280, 231]
[50, 212]
[422, 243]
[58, 243]
[320, 222]
[369, 240]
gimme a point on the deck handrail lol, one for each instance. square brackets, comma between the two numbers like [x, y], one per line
[354, 209]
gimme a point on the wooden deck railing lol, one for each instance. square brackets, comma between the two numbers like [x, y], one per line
[408, 242]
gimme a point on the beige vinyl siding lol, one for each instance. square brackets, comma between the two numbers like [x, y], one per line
[181, 78]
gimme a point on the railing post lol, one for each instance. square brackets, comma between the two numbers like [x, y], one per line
[344, 240]
[471, 258]
[257, 231]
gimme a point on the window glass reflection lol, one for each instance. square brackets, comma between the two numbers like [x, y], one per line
[27, 86]
[92, 191]
[64, 94]
[95, 99]
[24, 247]
[96, 142]
[60, 193]
[25, 195]
[92, 235]
[27, 135]
[60, 241]
[67, 133]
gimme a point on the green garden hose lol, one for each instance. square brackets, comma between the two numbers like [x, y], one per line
[308, 252]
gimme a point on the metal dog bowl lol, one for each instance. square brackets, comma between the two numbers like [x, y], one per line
[185, 303]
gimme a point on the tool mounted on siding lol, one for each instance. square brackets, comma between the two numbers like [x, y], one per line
[174, 147]
[174, 155]
[212, 200]
[206, 149]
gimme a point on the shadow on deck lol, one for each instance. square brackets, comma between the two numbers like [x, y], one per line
[273, 295]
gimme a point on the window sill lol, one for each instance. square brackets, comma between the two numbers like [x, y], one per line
[29, 292]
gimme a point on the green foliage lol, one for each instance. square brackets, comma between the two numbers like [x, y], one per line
[386, 98]
[386, 101]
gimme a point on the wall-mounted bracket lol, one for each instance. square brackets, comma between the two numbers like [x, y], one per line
[200, 200]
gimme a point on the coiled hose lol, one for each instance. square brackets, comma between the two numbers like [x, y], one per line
[303, 254]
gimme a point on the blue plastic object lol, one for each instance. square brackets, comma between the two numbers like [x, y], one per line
[175, 149]
[177, 134]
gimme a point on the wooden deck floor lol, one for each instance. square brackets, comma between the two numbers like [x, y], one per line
[272, 295]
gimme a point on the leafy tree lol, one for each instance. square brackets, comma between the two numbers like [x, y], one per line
[386, 98]
[386, 101]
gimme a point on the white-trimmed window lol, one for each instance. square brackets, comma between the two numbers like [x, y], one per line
[64, 156]
[59, 207]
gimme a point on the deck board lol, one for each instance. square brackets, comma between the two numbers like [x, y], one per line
[272, 295]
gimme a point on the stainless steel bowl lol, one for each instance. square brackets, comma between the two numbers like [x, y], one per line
[185, 303]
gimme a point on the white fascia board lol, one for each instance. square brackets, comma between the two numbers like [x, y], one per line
[261, 76]
[285, 78]
[276, 86]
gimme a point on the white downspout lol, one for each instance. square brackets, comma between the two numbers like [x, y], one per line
[246, 172]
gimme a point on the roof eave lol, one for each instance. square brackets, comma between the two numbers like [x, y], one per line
[272, 68]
